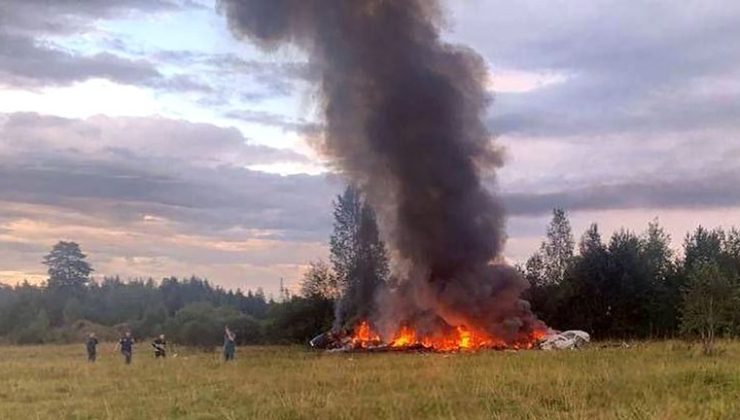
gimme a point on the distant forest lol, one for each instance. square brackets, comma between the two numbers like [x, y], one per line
[635, 285]
[631, 286]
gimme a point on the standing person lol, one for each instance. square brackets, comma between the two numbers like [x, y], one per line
[126, 344]
[92, 347]
[229, 344]
[160, 347]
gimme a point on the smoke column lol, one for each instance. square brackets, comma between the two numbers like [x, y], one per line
[403, 113]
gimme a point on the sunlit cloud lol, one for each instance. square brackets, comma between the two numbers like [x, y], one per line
[513, 81]
[82, 100]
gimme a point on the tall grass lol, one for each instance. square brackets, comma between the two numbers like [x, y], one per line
[664, 380]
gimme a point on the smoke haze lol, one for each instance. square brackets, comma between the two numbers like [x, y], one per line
[403, 115]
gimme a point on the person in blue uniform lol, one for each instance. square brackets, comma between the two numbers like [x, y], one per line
[126, 344]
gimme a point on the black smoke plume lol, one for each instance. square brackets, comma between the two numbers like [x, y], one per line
[403, 114]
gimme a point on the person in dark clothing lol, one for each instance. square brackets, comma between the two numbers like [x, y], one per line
[160, 347]
[92, 347]
[229, 344]
[126, 344]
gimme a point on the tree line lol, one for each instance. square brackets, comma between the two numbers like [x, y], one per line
[629, 286]
[193, 311]
[634, 285]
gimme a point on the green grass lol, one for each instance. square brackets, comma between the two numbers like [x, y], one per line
[666, 380]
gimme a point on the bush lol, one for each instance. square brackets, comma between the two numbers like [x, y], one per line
[37, 332]
[299, 319]
[202, 325]
[709, 304]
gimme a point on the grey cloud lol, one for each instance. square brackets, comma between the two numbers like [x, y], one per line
[640, 41]
[135, 139]
[630, 67]
[237, 78]
[121, 169]
[200, 200]
[232, 64]
[275, 120]
[24, 62]
[22, 247]
[28, 59]
[711, 192]
[298, 70]
[28, 63]
[44, 17]
[579, 107]
[182, 83]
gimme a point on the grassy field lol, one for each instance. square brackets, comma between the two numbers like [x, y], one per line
[668, 380]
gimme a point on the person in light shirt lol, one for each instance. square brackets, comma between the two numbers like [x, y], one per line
[229, 344]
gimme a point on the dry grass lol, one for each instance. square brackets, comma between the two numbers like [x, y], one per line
[666, 380]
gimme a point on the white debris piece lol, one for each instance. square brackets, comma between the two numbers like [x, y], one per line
[565, 340]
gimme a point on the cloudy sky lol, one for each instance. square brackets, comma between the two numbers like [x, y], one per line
[142, 130]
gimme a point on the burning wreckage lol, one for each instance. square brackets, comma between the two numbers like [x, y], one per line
[404, 120]
[364, 339]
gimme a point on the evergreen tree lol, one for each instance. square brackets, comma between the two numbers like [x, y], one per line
[657, 251]
[344, 240]
[664, 288]
[703, 246]
[67, 267]
[585, 301]
[731, 248]
[358, 256]
[627, 286]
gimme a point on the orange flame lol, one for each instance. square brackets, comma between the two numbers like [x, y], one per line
[404, 337]
[460, 338]
[364, 336]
